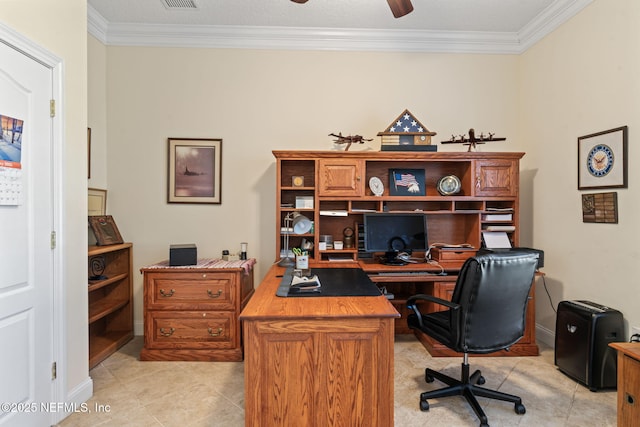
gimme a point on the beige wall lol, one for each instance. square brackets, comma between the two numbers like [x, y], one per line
[97, 111]
[582, 79]
[61, 28]
[574, 82]
[258, 101]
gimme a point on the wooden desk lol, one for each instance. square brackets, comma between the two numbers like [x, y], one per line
[628, 383]
[317, 361]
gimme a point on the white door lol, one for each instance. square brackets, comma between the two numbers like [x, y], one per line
[26, 256]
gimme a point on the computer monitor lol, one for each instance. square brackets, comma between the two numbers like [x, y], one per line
[393, 233]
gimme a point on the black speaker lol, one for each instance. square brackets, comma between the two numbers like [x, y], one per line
[183, 254]
[584, 330]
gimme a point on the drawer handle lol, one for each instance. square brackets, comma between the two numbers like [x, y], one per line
[212, 295]
[167, 333]
[215, 334]
[167, 294]
[478, 181]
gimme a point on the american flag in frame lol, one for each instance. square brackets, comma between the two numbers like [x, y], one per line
[406, 182]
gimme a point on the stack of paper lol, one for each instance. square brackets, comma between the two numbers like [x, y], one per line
[496, 239]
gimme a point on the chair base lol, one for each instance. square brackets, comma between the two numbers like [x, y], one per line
[469, 387]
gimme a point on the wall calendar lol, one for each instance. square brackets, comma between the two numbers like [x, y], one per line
[10, 161]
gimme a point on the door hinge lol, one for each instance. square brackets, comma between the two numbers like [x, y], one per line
[52, 108]
[54, 371]
[53, 240]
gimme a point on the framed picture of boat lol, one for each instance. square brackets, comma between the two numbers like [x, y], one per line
[194, 170]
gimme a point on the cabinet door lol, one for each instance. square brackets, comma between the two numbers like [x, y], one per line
[341, 177]
[318, 372]
[442, 290]
[628, 391]
[496, 178]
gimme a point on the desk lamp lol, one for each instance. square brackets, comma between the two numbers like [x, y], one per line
[299, 224]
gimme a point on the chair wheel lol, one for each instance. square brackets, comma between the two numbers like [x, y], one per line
[429, 378]
[481, 380]
[520, 409]
[484, 424]
[424, 405]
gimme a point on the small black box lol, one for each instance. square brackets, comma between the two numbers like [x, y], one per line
[183, 254]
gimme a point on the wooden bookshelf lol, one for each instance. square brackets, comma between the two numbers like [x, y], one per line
[110, 301]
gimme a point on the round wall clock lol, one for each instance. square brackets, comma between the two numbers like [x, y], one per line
[448, 185]
[376, 186]
[600, 160]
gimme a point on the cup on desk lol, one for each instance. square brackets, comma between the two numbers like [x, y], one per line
[302, 262]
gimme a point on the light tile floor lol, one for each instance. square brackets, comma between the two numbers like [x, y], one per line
[164, 394]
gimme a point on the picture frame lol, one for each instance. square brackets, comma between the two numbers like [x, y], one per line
[602, 159]
[600, 207]
[105, 230]
[97, 202]
[194, 170]
[406, 182]
[88, 153]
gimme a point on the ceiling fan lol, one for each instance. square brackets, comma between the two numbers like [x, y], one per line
[399, 8]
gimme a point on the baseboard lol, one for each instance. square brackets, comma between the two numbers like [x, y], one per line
[545, 336]
[75, 399]
[138, 328]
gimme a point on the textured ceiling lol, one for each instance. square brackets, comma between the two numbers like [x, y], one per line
[437, 15]
[477, 26]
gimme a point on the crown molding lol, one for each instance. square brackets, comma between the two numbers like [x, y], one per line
[548, 20]
[333, 39]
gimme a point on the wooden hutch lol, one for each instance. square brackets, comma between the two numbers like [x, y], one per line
[332, 189]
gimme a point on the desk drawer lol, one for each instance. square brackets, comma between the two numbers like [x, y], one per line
[191, 291]
[190, 330]
[452, 254]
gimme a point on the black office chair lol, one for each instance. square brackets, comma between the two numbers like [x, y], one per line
[486, 314]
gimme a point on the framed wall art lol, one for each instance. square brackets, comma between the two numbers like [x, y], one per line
[97, 201]
[600, 207]
[88, 153]
[602, 159]
[406, 182]
[105, 230]
[194, 170]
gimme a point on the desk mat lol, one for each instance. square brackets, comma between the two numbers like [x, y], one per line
[335, 282]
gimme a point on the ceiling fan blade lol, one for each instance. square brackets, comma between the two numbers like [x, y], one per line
[299, 1]
[399, 7]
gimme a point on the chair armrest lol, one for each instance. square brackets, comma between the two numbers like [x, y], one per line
[424, 297]
[411, 305]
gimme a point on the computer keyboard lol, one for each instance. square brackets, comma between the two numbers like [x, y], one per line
[407, 273]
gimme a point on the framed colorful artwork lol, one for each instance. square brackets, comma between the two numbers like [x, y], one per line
[406, 182]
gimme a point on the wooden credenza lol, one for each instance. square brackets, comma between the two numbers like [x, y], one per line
[191, 312]
[317, 361]
[628, 383]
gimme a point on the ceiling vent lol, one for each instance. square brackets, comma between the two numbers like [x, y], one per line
[180, 4]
